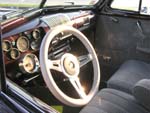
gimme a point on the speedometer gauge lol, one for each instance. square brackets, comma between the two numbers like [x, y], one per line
[36, 34]
[6, 45]
[35, 45]
[14, 53]
[29, 64]
[22, 44]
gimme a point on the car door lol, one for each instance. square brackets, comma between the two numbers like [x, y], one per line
[122, 33]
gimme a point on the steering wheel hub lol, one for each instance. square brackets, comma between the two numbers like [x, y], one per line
[70, 65]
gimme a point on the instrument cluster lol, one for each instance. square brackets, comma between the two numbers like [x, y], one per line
[22, 50]
[15, 46]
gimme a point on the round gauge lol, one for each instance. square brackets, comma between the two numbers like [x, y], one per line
[14, 53]
[6, 45]
[35, 45]
[22, 44]
[36, 34]
[29, 64]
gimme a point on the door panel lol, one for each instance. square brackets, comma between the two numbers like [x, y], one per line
[119, 38]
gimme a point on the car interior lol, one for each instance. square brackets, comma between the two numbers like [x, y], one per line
[93, 59]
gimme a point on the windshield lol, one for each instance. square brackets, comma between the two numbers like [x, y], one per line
[70, 2]
[23, 4]
[19, 4]
[11, 8]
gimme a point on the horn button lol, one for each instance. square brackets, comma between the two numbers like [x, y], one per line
[70, 65]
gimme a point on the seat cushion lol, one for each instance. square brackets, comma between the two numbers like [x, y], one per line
[128, 75]
[113, 101]
[141, 92]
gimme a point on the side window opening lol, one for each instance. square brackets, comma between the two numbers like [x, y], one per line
[145, 7]
[129, 5]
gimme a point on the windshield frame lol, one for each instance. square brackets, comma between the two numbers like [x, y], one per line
[2, 66]
[20, 5]
[72, 3]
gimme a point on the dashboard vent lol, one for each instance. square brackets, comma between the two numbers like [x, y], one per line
[55, 20]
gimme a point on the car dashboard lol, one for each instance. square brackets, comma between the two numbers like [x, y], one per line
[21, 41]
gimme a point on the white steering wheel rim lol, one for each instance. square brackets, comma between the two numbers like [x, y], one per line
[52, 86]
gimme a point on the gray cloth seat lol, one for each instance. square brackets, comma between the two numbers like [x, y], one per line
[113, 101]
[132, 77]
[141, 92]
[128, 75]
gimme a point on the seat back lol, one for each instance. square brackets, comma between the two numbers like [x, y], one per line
[141, 92]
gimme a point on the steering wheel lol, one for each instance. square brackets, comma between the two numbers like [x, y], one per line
[69, 65]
